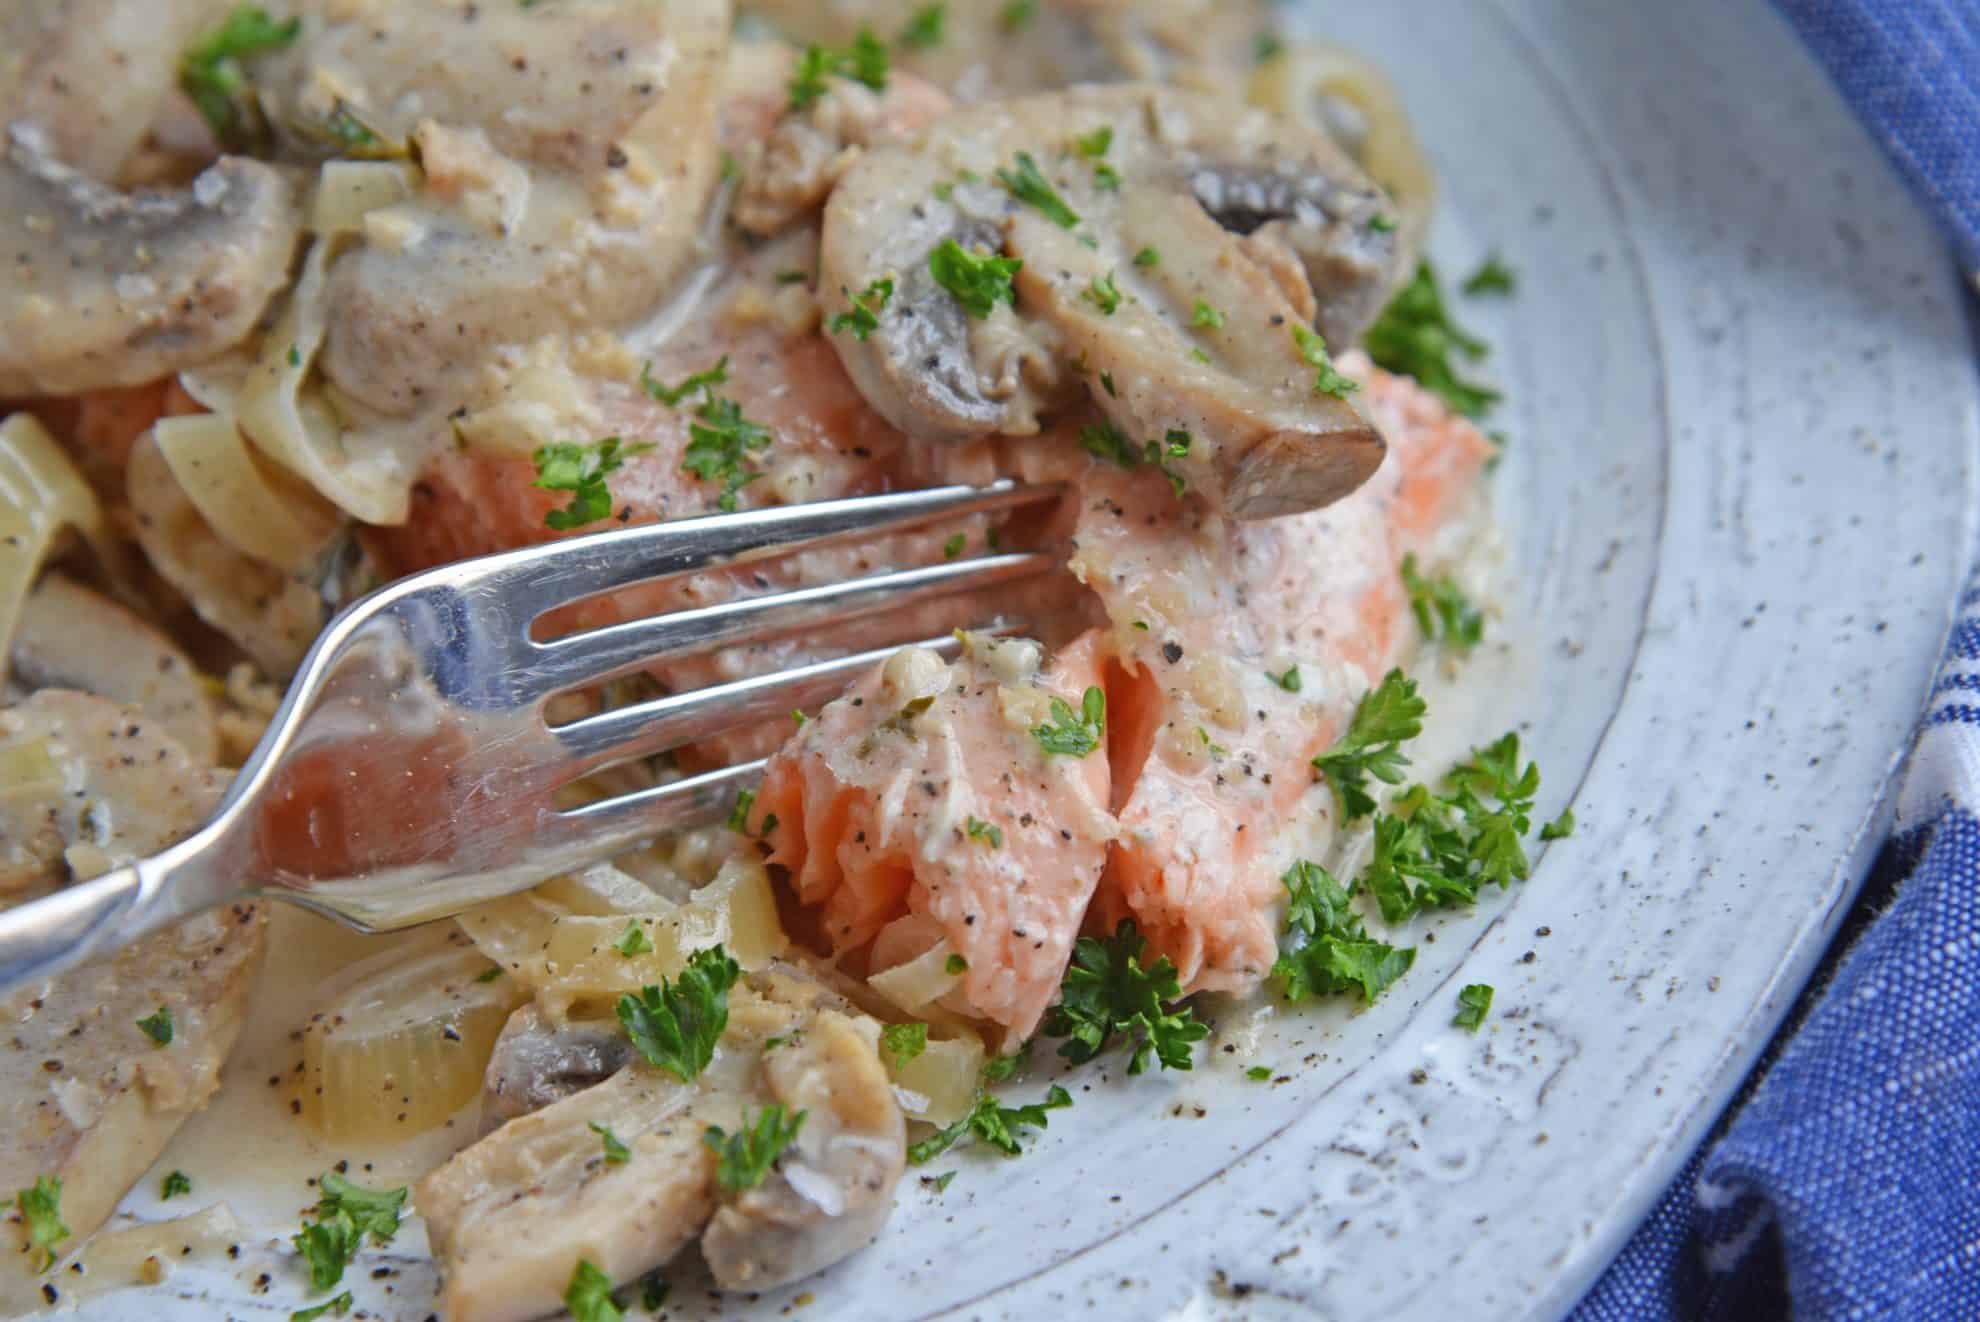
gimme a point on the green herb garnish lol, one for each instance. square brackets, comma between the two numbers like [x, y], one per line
[977, 829]
[743, 1159]
[633, 941]
[40, 1206]
[1386, 717]
[336, 1306]
[924, 30]
[616, 1152]
[999, 1126]
[158, 1026]
[176, 1183]
[676, 1025]
[1205, 315]
[589, 1295]
[1328, 952]
[1416, 336]
[1107, 991]
[864, 316]
[581, 470]
[345, 1214]
[1313, 351]
[1070, 733]
[904, 1041]
[1474, 1003]
[211, 72]
[1103, 293]
[1492, 277]
[979, 281]
[1443, 612]
[1027, 184]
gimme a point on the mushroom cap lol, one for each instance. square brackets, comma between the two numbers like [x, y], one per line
[1205, 235]
[113, 289]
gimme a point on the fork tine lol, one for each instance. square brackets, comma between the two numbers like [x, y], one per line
[612, 825]
[642, 728]
[600, 654]
[558, 573]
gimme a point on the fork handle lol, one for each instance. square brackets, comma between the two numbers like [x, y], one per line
[43, 937]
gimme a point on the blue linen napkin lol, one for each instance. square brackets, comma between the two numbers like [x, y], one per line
[1911, 71]
[1844, 1182]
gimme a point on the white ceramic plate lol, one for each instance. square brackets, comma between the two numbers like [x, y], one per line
[1743, 424]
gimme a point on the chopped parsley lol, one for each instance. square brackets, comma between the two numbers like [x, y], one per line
[1106, 178]
[1147, 257]
[988, 1122]
[176, 1183]
[210, 72]
[589, 1295]
[1313, 352]
[1438, 850]
[653, 1291]
[581, 470]
[792, 277]
[1492, 277]
[955, 966]
[980, 281]
[336, 1306]
[1265, 45]
[671, 396]
[158, 1027]
[345, 1214]
[1382, 223]
[488, 975]
[989, 833]
[1074, 734]
[1327, 951]
[1017, 13]
[1027, 184]
[675, 1026]
[865, 62]
[999, 1069]
[1103, 293]
[1416, 336]
[1474, 1003]
[1443, 612]
[864, 316]
[633, 941]
[616, 1152]
[739, 812]
[1107, 991]
[720, 442]
[1289, 681]
[1107, 384]
[1258, 1073]
[939, 1183]
[1205, 315]
[40, 1207]
[1103, 440]
[1095, 143]
[1387, 716]
[1560, 828]
[904, 1041]
[954, 546]
[924, 30]
[743, 1159]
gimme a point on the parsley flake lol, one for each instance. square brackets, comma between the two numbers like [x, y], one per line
[1027, 184]
[488, 975]
[865, 62]
[1444, 614]
[1327, 951]
[1387, 716]
[1147, 257]
[40, 1206]
[904, 1041]
[924, 30]
[1330, 379]
[1438, 850]
[336, 1306]
[211, 72]
[1492, 277]
[616, 1152]
[743, 1159]
[1095, 143]
[953, 547]
[1205, 315]
[580, 470]
[1416, 336]
[864, 317]
[1103, 293]
[158, 1027]
[978, 829]
[1017, 13]
[671, 396]
[719, 444]
[1258, 1073]
[345, 1214]
[1474, 1003]
[999, 1126]
[1070, 733]
[1265, 45]
[176, 1183]
[1107, 991]
[955, 966]
[980, 281]
[675, 1026]
[588, 1297]
[1560, 828]
[1289, 681]
[633, 941]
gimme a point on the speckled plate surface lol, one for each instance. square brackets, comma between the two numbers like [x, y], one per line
[1742, 409]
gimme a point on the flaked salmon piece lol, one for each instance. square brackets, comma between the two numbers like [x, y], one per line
[922, 808]
[1210, 746]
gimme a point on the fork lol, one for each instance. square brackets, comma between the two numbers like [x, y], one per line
[411, 769]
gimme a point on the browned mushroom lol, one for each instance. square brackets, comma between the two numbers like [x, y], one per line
[1174, 248]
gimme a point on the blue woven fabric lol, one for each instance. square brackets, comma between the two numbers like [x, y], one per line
[1845, 1181]
[1911, 70]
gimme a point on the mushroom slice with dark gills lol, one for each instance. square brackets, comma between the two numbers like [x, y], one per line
[512, 1216]
[1175, 252]
[113, 289]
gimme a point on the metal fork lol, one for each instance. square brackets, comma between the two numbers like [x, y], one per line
[411, 772]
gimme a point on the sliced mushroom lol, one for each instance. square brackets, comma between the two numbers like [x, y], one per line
[112, 289]
[72, 638]
[86, 1096]
[1204, 235]
[95, 73]
[511, 1217]
[538, 1061]
[568, 154]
